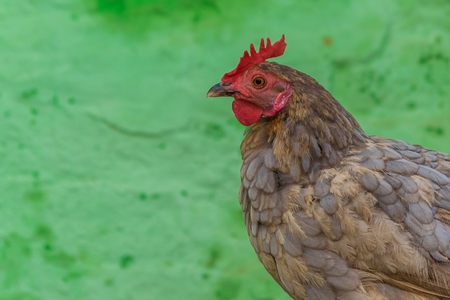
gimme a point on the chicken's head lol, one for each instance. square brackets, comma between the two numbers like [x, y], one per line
[257, 91]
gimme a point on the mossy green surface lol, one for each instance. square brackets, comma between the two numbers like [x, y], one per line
[119, 178]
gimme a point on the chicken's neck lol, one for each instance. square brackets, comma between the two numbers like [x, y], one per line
[305, 141]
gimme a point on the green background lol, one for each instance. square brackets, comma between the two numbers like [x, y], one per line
[119, 178]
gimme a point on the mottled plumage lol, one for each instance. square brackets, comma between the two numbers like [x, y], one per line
[333, 213]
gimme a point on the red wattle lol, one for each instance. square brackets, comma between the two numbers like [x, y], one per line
[246, 112]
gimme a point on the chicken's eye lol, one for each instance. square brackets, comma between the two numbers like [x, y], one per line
[259, 82]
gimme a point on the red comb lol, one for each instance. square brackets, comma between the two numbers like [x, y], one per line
[248, 60]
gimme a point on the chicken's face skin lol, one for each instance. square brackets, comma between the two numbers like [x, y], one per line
[256, 93]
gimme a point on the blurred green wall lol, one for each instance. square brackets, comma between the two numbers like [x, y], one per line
[119, 178]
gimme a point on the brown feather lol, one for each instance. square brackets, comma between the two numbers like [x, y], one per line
[332, 212]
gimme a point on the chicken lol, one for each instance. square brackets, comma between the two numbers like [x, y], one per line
[331, 212]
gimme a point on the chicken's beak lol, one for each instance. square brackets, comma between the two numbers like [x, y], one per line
[219, 90]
